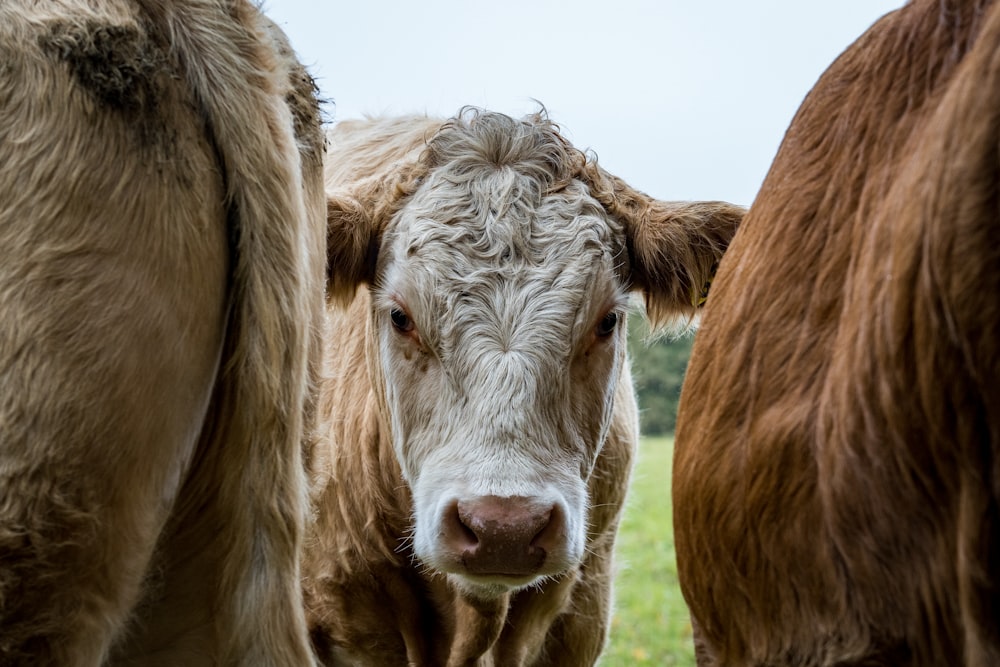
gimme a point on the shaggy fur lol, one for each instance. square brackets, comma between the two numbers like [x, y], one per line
[512, 258]
[161, 280]
[836, 482]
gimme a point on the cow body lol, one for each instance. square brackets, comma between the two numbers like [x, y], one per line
[161, 268]
[480, 420]
[835, 483]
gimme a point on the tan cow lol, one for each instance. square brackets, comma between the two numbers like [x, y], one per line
[836, 482]
[480, 419]
[161, 280]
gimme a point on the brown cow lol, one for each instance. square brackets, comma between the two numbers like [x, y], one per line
[836, 481]
[481, 419]
[161, 280]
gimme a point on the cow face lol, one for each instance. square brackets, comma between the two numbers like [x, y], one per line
[499, 316]
[503, 265]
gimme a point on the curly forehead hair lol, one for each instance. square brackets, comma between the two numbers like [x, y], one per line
[500, 192]
[532, 146]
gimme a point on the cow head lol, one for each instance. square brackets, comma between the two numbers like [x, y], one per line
[501, 264]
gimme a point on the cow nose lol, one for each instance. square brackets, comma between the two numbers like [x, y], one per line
[494, 535]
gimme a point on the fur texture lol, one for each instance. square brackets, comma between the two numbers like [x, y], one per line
[161, 280]
[836, 480]
[483, 267]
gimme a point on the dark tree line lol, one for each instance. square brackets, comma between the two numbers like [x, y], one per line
[658, 371]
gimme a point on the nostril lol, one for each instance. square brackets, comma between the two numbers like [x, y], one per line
[457, 534]
[552, 535]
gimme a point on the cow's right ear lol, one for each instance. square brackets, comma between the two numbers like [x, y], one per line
[355, 223]
[351, 246]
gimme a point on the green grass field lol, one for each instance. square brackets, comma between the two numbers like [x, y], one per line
[650, 624]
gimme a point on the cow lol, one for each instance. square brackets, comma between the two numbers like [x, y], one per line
[476, 418]
[836, 479]
[162, 269]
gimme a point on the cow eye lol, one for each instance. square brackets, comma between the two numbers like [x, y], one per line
[607, 325]
[400, 320]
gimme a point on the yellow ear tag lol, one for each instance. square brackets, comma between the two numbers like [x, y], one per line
[702, 296]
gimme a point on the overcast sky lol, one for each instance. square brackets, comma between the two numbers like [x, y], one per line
[684, 99]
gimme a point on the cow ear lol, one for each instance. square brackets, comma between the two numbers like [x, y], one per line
[351, 246]
[674, 247]
[675, 250]
[356, 219]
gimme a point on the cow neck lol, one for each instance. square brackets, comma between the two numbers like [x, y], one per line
[360, 502]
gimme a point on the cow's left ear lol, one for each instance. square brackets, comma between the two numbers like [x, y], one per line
[674, 247]
[355, 223]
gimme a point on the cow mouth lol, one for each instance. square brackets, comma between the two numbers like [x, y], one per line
[490, 586]
[501, 579]
[503, 562]
[488, 583]
[506, 577]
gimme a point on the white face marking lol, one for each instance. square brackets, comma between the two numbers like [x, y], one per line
[495, 310]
